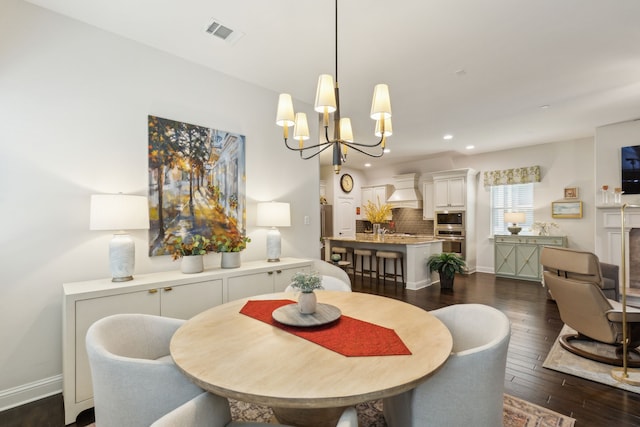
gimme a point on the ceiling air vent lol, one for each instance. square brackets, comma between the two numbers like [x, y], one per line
[223, 32]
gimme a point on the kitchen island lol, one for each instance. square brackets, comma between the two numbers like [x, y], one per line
[416, 251]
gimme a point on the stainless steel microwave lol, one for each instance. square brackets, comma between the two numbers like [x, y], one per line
[450, 219]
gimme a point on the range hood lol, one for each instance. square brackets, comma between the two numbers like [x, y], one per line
[406, 194]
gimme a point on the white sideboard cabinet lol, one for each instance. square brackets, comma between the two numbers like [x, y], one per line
[170, 294]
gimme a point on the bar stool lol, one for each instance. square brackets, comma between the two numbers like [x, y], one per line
[384, 256]
[362, 253]
[345, 253]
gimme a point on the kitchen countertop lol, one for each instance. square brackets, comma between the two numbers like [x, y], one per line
[388, 239]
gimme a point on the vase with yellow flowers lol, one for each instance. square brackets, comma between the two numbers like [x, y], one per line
[377, 214]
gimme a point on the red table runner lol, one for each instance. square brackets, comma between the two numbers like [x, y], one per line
[347, 336]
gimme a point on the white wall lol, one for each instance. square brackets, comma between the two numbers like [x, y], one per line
[74, 102]
[563, 164]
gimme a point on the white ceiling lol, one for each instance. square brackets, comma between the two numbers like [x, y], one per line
[581, 58]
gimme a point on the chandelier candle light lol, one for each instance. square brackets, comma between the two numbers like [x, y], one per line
[273, 214]
[328, 102]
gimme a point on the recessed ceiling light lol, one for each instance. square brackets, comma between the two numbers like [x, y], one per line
[447, 136]
[544, 107]
[470, 147]
[386, 150]
[367, 165]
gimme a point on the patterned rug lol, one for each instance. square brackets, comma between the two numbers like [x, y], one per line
[561, 360]
[517, 413]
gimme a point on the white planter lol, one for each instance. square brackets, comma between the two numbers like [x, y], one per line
[192, 264]
[307, 302]
[230, 260]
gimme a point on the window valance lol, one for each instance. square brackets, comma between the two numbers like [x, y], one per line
[512, 176]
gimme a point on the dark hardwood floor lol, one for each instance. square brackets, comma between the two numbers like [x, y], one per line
[535, 326]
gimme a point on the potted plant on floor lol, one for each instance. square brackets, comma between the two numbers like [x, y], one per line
[447, 265]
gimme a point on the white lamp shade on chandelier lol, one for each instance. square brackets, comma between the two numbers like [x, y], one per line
[119, 212]
[273, 214]
[514, 218]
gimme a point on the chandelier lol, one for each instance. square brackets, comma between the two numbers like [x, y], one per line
[328, 102]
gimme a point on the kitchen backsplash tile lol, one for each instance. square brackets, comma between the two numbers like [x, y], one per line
[405, 221]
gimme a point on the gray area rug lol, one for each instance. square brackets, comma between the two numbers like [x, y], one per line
[562, 360]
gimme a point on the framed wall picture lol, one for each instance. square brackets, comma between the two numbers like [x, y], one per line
[571, 193]
[566, 209]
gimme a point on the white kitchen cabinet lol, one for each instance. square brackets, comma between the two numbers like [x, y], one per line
[449, 193]
[427, 197]
[170, 294]
[376, 194]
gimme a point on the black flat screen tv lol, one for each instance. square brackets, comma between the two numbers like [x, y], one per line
[630, 167]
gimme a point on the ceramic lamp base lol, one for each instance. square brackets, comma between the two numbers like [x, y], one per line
[514, 230]
[273, 245]
[122, 252]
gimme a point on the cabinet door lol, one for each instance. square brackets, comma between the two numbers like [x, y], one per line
[441, 193]
[367, 195]
[250, 284]
[90, 310]
[505, 259]
[457, 192]
[185, 301]
[282, 278]
[527, 261]
[427, 196]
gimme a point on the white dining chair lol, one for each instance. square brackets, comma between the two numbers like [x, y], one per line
[135, 381]
[329, 283]
[328, 269]
[209, 410]
[468, 389]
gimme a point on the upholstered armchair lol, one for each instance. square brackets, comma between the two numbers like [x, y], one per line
[209, 410]
[468, 389]
[135, 381]
[606, 276]
[574, 280]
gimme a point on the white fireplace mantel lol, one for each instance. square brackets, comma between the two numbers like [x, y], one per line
[611, 216]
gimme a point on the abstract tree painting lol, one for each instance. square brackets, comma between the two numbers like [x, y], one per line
[196, 183]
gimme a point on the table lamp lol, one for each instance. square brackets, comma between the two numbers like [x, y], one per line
[273, 214]
[514, 218]
[119, 212]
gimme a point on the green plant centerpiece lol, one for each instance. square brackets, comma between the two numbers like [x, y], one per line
[306, 283]
[447, 265]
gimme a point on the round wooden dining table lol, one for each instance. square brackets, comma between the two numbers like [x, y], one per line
[239, 357]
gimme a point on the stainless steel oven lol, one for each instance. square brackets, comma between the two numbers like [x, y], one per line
[449, 228]
[450, 219]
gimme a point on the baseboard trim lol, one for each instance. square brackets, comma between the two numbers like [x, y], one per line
[26, 393]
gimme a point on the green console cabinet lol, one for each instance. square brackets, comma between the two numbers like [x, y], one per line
[518, 256]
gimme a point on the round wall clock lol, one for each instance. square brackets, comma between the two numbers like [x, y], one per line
[346, 183]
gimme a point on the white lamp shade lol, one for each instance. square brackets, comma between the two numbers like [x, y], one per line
[515, 217]
[284, 116]
[273, 214]
[346, 133]
[325, 94]
[301, 127]
[381, 104]
[388, 128]
[118, 212]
